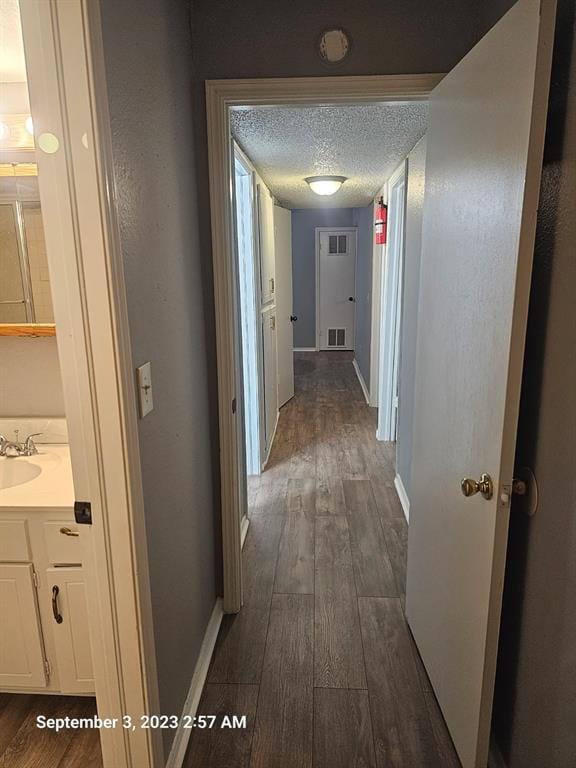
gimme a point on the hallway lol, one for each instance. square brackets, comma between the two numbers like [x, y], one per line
[320, 659]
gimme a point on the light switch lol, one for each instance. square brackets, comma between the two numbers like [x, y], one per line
[144, 380]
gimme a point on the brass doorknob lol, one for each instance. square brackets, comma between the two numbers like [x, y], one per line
[485, 486]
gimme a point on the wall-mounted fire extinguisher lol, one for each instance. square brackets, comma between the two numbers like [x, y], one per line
[381, 221]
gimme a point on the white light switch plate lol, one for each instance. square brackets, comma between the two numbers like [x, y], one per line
[144, 378]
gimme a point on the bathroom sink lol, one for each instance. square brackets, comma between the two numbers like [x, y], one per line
[17, 471]
[38, 481]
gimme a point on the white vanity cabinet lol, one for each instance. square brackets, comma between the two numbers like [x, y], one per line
[22, 661]
[44, 638]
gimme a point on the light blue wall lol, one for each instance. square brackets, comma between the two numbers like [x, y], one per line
[363, 219]
[304, 223]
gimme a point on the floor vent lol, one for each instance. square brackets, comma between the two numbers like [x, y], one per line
[336, 337]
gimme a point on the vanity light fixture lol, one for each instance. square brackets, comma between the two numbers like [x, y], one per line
[325, 185]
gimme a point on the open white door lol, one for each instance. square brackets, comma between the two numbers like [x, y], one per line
[284, 330]
[485, 140]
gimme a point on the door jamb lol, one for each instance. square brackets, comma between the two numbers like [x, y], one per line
[67, 84]
[333, 230]
[221, 95]
[389, 352]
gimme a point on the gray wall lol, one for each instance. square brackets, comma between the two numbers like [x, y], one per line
[304, 223]
[411, 287]
[150, 81]
[30, 383]
[535, 705]
[363, 218]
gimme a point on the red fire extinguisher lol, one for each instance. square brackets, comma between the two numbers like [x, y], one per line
[381, 220]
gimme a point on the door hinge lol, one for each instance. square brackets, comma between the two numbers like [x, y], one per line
[35, 579]
[47, 668]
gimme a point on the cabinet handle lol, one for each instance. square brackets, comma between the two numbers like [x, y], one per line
[69, 532]
[57, 615]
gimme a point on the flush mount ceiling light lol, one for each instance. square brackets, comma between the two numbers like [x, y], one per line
[325, 185]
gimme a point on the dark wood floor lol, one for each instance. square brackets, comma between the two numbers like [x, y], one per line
[320, 659]
[23, 745]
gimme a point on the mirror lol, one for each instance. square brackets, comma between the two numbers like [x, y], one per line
[25, 297]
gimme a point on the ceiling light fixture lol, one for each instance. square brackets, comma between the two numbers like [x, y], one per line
[325, 185]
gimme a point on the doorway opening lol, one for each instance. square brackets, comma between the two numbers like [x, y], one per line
[444, 597]
[77, 640]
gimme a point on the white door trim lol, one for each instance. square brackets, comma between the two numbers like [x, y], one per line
[67, 84]
[221, 95]
[390, 311]
[335, 231]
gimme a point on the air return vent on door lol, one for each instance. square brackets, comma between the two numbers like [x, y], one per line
[336, 337]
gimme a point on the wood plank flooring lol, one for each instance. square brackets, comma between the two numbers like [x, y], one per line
[320, 659]
[23, 745]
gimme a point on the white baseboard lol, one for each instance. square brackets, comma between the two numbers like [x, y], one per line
[304, 349]
[182, 735]
[402, 495]
[362, 382]
[244, 530]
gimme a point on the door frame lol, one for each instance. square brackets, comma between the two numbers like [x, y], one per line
[391, 299]
[252, 420]
[67, 83]
[318, 233]
[221, 96]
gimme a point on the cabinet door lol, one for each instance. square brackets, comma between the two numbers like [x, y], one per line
[267, 261]
[21, 645]
[71, 634]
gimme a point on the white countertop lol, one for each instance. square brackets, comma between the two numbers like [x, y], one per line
[51, 487]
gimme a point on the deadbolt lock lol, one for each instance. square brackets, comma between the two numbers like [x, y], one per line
[485, 486]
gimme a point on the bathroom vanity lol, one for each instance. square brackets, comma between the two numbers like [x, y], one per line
[44, 634]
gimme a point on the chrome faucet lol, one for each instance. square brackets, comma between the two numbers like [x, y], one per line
[12, 448]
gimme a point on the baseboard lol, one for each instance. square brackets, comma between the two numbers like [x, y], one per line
[362, 382]
[304, 349]
[271, 442]
[182, 735]
[244, 529]
[402, 495]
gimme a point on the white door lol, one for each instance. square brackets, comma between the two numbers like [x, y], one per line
[270, 369]
[485, 140]
[336, 289]
[70, 628]
[284, 316]
[21, 644]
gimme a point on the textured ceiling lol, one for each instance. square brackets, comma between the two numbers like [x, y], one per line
[363, 142]
[12, 65]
